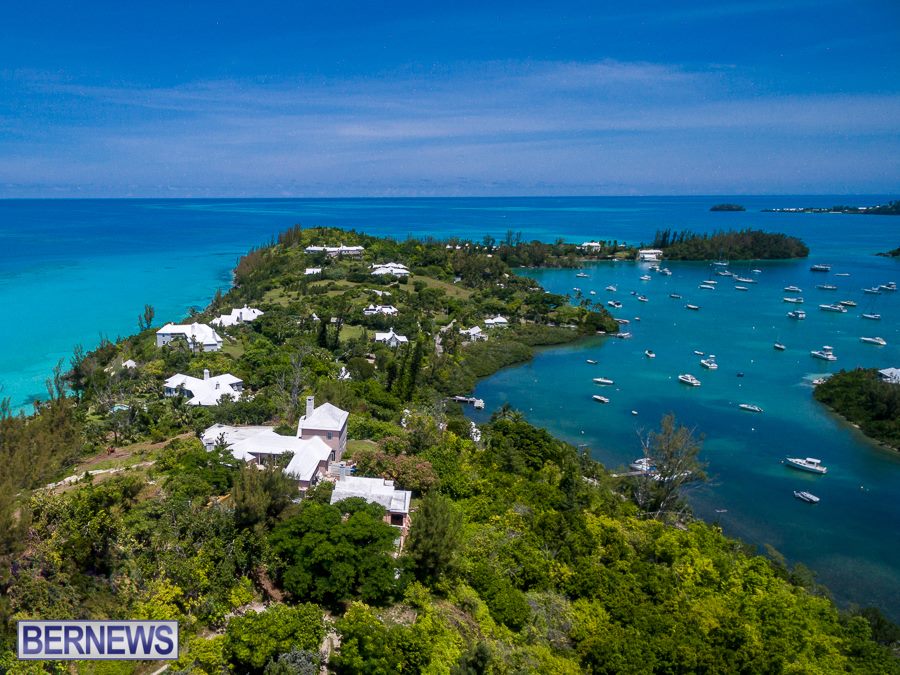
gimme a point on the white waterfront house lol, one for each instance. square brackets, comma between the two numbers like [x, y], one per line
[321, 438]
[376, 491]
[199, 336]
[392, 269]
[312, 271]
[496, 322]
[386, 310]
[334, 251]
[473, 334]
[591, 246]
[391, 339]
[208, 391]
[650, 255]
[237, 316]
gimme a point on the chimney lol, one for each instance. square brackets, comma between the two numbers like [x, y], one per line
[310, 406]
[206, 373]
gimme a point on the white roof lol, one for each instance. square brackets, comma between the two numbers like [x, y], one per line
[374, 491]
[326, 417]
[129, 364]
[474, 330]
[335, 250]
[591, 244]
[390, 268]
[389, 336]
[242, 315]
[195, 332]
[497, 320]
[891, 375]
[312, 270]
[206, 391]
[245, 442]
[380, 309]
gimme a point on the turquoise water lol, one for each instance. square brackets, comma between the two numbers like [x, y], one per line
[73, 270]
[851, 537]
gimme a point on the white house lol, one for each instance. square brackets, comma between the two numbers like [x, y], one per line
[327, 422]
[199, 336]
[376, 491]
[334, 251]
[497, 322]
[386, 310]
[650, 255]
[591, 246]
[260, 445]
[474, 334]
[129, 364]
[243, 315]
[393, 269]
[310, 271]
[208, 391]
[391, 339]
[891, 375]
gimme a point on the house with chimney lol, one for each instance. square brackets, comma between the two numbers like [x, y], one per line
[206, 392]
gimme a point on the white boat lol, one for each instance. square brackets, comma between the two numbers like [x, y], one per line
[623, 336]
[750, 407]
[756, 271]
[826, 287]
[649, 354]
[740, 288]
[833, 308]
[675, 295]
[687, 378]
[710, 281]
[796, 301]
[820, 268]
[642, 298]
[694, 307]
[602, 399]
[873, 317]
[576, 289]
[797, 314]
[709, 362]
[646, 277]
[847, 303]
[593, 292]
[872, 291]
[825, 353]
[724, 273]
[622, 322]
[709, 287]
[793, 289]
[808, 497]
[592, 362]
[874, 341]
[666, 271]
[603, 380]
[644, 464]
[721, 263]
[745, 280]
[615, 304]
[810, 464]
[698, 352]
[780, 347]
[611, 288]
[582, 275]
[842, 274]
[889, 286]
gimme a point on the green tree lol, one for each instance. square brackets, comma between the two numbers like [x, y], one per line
[255, 638]
[435, 538]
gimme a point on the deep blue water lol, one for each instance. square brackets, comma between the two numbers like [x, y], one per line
[73, 270]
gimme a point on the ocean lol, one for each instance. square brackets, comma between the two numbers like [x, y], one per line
[76, 270]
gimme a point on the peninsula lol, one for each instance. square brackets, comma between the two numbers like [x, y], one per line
[286, 474]
[890, 209]
[731, 245]
[868, 398]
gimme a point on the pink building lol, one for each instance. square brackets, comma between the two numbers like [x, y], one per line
[327, 422]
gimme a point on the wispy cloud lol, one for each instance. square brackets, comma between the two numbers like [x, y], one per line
[563, 124]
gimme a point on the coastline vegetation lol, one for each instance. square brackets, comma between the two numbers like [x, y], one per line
[731, 245]
[863, 398]
[524, 554]
[892, 208]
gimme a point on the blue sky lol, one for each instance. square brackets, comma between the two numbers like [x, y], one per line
[352, 98]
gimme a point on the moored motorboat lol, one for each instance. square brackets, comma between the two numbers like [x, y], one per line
[708, 287]
[694, 307]
[740, 288]
[744, 280]
[603, 380]
[698, 352]
[872, 291]
[750, 407]
[847, 303]
[611, 288]
[592, 362]
[792, 289]
[826, 353]
[622, 322]
[615, 304]
[601, 399]
[623, 336]
[646, 277]
[676, 296]
[873, 317]
[826, 287]
[889, 286]
[797, 314]
[710, 281]
[820, 268]
[810, 464]
[807, 497]
[649, 353]
[833, 308]
[582, 275]
[796, 301]
[687, 378]
[780, 347]
[874, 341]
[709, 362]
[644, 464]
[642, 298]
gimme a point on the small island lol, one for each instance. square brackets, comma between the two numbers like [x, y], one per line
[732, 245]
[727, 207]
[892, 208]
[869, 399]
[890, 254]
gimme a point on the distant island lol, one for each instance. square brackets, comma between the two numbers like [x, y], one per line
[727, 207]
[890, 209]
[867, 400]
[890, 254]
[732, 245]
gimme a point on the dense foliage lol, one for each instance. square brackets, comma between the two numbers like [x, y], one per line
[733, 245]
[866, 400]
[524, 555]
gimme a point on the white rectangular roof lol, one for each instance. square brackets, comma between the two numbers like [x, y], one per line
[374, 491]
[196, 332]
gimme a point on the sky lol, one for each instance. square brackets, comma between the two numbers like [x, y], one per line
[205, 99]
